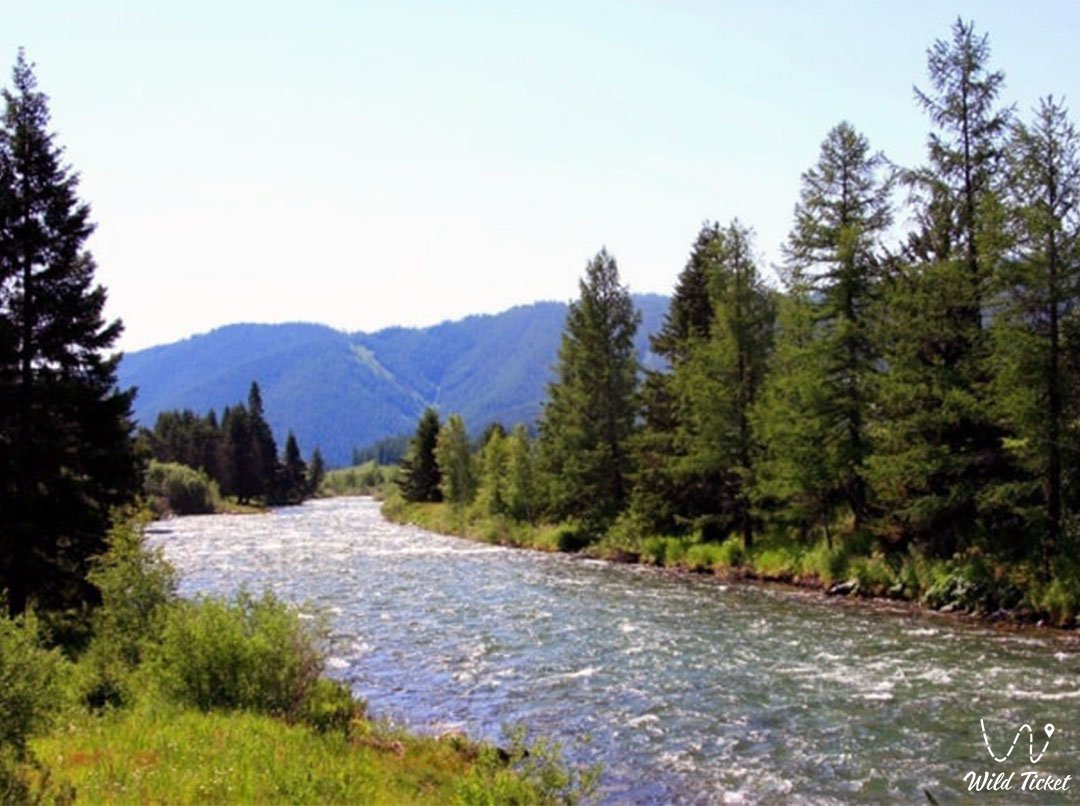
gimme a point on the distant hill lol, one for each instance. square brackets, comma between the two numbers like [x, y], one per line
[339, 391]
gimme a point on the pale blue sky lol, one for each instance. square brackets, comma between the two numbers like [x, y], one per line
[364, 165]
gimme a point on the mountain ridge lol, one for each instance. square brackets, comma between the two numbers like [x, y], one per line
[338, 390]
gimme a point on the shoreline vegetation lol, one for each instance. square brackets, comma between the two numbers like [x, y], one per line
[173, 700]
[961, 588]
[900, 420]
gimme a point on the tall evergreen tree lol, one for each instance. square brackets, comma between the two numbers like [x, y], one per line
[833, 266]
[291, 477]
[420, 478]
[590, 412]
[263, 448]
[316, 472]
[1037, 343]
[937, 444]
[717, 384]
[664, 499]
[66, 452]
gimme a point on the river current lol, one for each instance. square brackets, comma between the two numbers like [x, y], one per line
[685, 689]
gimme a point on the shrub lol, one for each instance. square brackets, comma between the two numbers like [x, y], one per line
[31, 693]
[252, 653]
[732, 553]
[778, 562]
[30, 684]
[180, 490]
[137, 586]
[704, 556]
[873, 574]
[570, 537]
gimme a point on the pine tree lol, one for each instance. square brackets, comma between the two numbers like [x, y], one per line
[66, 448]
[1036, 342]
[420, 478]
[590, 412]
[833, 267]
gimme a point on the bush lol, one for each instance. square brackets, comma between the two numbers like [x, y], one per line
[30, 684]
[704, 556]
[253, 653]
[873, 575]
[178, 489]
[570, 537]
[666, 551]
[31, 693]
[137, 586]
[778, 562]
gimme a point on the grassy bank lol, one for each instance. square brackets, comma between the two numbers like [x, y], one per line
[970, 583]
[206, 700]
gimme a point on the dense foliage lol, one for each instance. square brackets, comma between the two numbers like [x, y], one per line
[904, 414]
[66, 453]
[238, 457]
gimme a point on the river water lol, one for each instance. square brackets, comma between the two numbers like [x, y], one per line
[685, 689]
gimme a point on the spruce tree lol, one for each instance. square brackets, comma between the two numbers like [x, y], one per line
[590, 412]
[420, 478]
[664, 499]
[316, 472]
[66, 449]
[717, 385]
[263, 448]
[292, 482]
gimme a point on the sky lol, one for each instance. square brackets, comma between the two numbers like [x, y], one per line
[364, 165]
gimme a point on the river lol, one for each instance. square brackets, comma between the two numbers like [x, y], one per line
[685, 689]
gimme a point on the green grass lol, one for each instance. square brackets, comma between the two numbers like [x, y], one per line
[205, 700]
[969, 583]
[165, 754]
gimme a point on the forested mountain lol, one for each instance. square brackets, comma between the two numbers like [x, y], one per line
[339, 391]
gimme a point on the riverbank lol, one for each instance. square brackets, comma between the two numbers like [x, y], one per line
[972, 585]
[223, 700]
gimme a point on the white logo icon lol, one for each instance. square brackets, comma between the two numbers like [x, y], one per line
[1048, 729]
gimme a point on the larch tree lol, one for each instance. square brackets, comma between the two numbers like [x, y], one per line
[834, 267]
[937, 444]
[66, 450]
[1035, 324]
